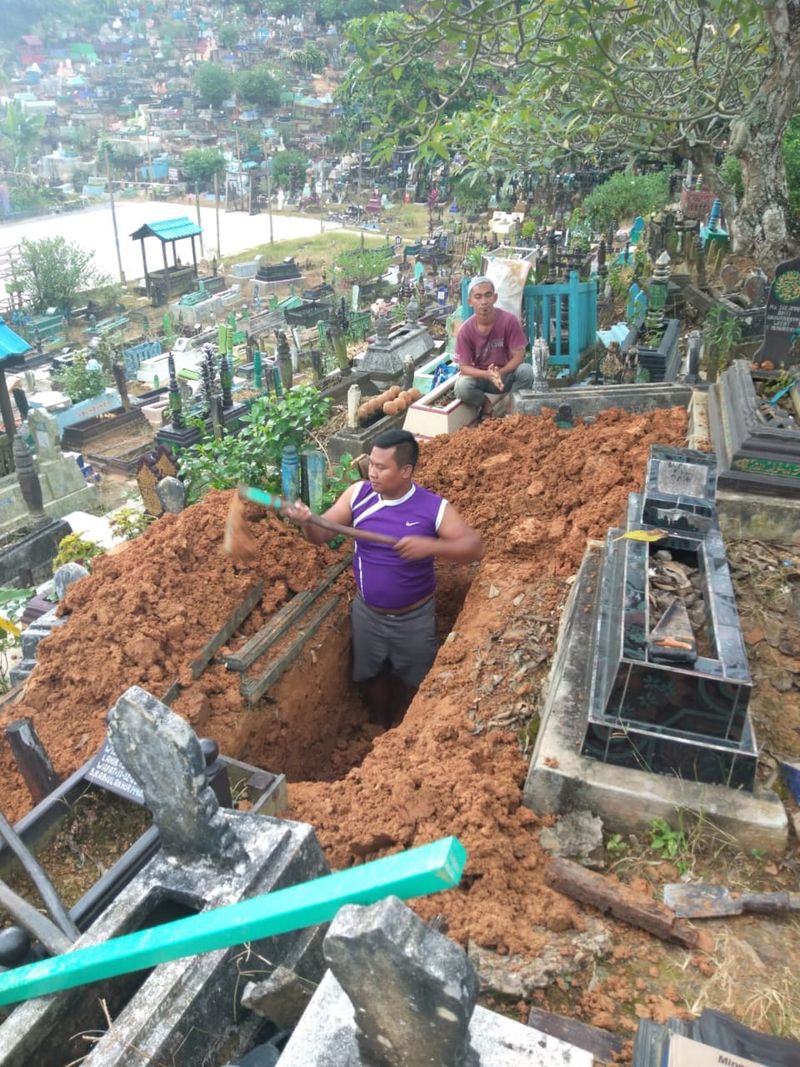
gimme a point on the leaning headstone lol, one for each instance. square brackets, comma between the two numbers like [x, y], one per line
[46, 434]
[413, 990]
[161, 751]
[66, 574]
[172, 494]
[781, 345]
[755, 287]
[730, 277]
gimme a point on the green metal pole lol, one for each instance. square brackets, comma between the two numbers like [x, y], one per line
[418, 872]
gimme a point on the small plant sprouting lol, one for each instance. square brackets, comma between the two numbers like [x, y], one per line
[616, 843]
[672, 844]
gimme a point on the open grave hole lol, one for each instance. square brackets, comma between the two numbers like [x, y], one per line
[313, 725]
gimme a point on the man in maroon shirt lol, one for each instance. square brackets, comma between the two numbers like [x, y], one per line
[490, 348]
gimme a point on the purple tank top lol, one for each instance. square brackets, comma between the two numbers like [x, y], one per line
[384, 579]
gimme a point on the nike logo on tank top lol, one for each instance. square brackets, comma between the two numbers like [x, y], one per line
[384, 579]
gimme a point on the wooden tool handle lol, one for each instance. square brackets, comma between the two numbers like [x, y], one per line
[770, 902]
[350, 531]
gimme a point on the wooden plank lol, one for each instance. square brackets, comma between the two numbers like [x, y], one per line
[619, 900]
[224, 635]
[418, 872]
[252, 689]
[603, 1045]
[280, 622]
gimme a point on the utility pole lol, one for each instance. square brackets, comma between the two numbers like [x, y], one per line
[360, 154]
[269, 194]
[197, 207]
[114, 217]
[216, 211]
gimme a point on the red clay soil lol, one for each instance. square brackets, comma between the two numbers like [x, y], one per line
[537, 494]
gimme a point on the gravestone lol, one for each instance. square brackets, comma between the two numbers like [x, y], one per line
[46, 435]
[210, 858]
[147, 480]
[160, 750]
[756, 288]
[730, 277]
[172, 494]
[413, 990]
[66, 574]
[781, 345]
[399, 994]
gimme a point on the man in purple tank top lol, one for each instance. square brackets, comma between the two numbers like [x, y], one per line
[394, 625]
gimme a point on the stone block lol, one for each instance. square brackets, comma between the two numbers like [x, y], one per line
[326, 1037]
[413, 990]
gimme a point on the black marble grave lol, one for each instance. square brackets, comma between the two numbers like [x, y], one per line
[286, 271]
[758, 448]
[781, 345]
[670, 704]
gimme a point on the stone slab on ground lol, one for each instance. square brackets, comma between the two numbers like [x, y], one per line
[560, 779]
[749, 517]
[592, 399]
[326, 1037]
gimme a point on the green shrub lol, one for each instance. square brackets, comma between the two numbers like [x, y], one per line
[76, 549]
[79, 383]
[252, 457]
[730, 172]
[626, 195]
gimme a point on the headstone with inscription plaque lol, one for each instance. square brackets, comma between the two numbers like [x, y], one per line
[781, 345]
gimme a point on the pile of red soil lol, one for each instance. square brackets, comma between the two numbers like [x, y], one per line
[536, 493]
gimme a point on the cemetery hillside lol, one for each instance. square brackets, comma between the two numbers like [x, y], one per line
[399, 534]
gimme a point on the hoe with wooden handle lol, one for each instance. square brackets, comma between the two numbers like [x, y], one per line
[240, 543]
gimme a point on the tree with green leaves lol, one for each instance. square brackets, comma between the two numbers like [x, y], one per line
[20, 136]
[199, 165]
[214, 84]
[52, 272]
[288, 169]
[562, 79]
[230, 34]
[310, 58]
[259, 87]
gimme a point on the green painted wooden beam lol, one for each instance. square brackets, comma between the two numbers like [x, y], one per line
[416, 873]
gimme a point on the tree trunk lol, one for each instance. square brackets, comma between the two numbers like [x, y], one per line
[763, 226]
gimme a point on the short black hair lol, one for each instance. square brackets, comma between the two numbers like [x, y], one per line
[406, 449]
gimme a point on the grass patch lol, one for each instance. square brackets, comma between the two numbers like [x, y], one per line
[322, 248]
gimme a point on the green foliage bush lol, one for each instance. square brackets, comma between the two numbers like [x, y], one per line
[730, 173]
[472, 193]
[360, 266]
[258, 87]
[76, 549]
[79, 383]
[791, 157]
[213, 83]
[626, 195]
[253, 455]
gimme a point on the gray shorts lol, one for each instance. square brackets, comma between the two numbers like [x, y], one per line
[404, 643]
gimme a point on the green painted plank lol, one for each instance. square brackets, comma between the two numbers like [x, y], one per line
[418, 872]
